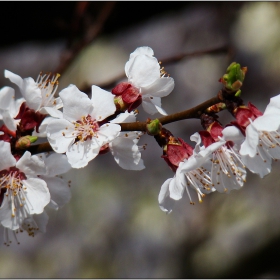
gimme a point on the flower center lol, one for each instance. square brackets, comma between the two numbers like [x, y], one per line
[86, 128]
[199, 179]
[227, 162]
[48, 85]
[12, 188]
[269, 142]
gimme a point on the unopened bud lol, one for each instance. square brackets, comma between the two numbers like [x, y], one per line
[25, 141]
[234, 77]
[153, 127]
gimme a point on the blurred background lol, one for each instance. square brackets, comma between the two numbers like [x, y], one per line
[113, 227]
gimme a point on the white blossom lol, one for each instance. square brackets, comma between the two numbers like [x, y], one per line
[80, 133]
[22, 192]
[39, 95]
[262, 142]
[144, 73]
[228, 170]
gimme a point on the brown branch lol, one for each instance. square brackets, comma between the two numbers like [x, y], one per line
[194, 112]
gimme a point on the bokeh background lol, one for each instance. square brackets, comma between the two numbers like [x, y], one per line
[113, 227]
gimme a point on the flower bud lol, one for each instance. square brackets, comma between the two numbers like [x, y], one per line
[153, 127]
[25, 141]
[234, 77]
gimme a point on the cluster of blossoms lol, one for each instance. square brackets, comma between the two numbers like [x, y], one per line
[221, 155]
[79, 128]
[83, 129]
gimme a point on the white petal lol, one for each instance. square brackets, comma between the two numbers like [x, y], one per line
[80, 153]
[232, 133]
[7, 95]
[249, 146]
[31, 165]
[32, 94]
[8, 120]
[124, 118]
[176, 187]
[6, 218]
[259, 164]
[14, 78]
[56, 164]
[43, 127]
[59, 190]
[53, 112]
[75, 103]
[60, 134]
[139, 51]
[108, 132]
[153, 106]
[126, 154]
[267, 122]
[37, 221]
[160, 88]
[103, 103]
[143, 71]
[37, 195]
[7, 159]
[274, 106]
[165, 202]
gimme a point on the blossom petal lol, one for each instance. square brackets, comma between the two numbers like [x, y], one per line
[29, 89]
[139, 51]
[37, 195]
[274, 106]
[232, 133]
[7, 95]
[108, 132]
[5, 151]
[75, 103]
[14, 78]
[259, 164]
[126, 153]
[143, 71]
[60, 134]
[80, 153]
[267, 122]
[249, 146]
[152, 106]
[103, 103]
[31, 165]
[6, 218]
[176, 186]
[124, 118]
[53, 112]
[56, 164]
[8, 120]
[43, 127]
[59, 191]
[165, 202]
[38, 223]
[32, 94]
[160, 88]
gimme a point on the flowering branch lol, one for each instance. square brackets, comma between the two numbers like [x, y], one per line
[106, 122]
[194, 112]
